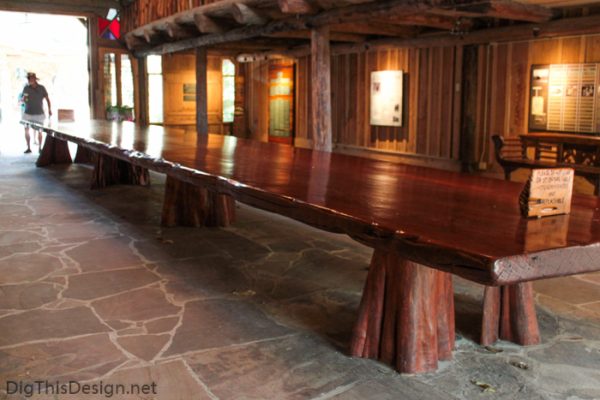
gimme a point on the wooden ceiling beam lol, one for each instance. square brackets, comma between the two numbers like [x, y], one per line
[297, 7]
[355, 37]
[338, 15]
[375, 28]
[425, 19]
[206, 24]
[503, 9]
[245, 15]
[565, 27]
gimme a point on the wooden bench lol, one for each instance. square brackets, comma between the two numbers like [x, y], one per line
[424, 225]
[512, 154]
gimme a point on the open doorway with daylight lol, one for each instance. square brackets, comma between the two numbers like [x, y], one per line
[55, 48]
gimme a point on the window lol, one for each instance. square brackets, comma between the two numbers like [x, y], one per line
[117, 76]
[228, 72]
[155, 89]
[127, 97]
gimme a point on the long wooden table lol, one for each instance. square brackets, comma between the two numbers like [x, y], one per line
[424, 225]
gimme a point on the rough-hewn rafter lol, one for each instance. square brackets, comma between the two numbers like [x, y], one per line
[375, 28]
[253, 16]
[564, 27]
[502, 9]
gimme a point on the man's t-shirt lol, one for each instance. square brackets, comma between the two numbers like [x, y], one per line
[33, 98]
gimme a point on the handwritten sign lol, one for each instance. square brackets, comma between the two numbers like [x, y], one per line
[547, 192]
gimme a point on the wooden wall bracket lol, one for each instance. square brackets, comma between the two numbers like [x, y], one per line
[190, 205]
[406, 315]
[54, 151]
[112, 171]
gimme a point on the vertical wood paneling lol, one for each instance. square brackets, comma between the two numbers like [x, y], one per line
[445, 109]
[546, 51]
[519, 71]
[457, 102]
[499, 89]
[411, 107]
[571, 50]
[422, 108]
[592, 49]
[434, 102]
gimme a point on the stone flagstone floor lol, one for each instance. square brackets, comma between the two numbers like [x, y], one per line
[93, 290]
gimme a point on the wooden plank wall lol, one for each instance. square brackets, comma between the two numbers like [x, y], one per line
[179, 69]
[505, 68]
[428, 127]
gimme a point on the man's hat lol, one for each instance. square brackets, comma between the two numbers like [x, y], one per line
[31, 75]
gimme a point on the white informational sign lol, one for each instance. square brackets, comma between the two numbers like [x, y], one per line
[386, 98]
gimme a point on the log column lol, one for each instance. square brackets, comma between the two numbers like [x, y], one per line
[321, 89]
[84, 155]
[190, 205]
[112, 171]
[406, 315]
[55, 151]
[201, 92]
[509, 314]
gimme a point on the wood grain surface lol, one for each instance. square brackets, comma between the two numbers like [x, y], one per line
[463, 224]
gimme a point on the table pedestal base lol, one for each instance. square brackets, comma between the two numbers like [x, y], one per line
[84, 155]
[509, 314]
[55, 151]
[406, 315]
[189, 205]
[112, 171]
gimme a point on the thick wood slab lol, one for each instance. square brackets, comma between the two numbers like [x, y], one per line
[467, 225]
[54, 151]
[406, 315]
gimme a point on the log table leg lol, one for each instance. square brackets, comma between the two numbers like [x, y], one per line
[406, 315]
[112, 171]
[83, 155]
[509, 314]
[190, 205]
[55, 151]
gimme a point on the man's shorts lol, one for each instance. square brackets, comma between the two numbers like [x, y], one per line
[39, 118]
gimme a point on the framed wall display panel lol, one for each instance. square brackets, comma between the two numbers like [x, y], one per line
[281, 102]
[386, 98]
[565, 98]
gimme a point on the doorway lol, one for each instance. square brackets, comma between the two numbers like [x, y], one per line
[55, 48]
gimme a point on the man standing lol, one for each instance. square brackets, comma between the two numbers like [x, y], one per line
[33, 96]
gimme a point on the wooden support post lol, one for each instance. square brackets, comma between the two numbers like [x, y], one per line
[98, 110]
[112, 171]
[84, 155]
[321, 89]
[406, 315]
[189, 205]
[142, 87]
[55, 151]
[201, 92]
[509, 314]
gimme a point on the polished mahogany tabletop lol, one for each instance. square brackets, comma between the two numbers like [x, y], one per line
[449, 220]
